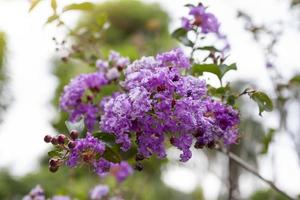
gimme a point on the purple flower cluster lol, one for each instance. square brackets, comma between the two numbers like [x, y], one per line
[121, 171]
[36, 193]
[98, 192]
[78, 97]
[201, 18]
[89, 150]
[159, 102]
[113, 65]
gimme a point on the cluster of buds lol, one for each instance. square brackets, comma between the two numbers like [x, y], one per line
[63, 144]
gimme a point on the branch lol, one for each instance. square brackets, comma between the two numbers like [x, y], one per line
[250, 169]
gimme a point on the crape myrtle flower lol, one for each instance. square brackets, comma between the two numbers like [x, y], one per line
[88, 151]
[98, 192]
[36, 193]
[59, 197]
[112, 67]
[121, 171]
[199, 17]
[78, 96]
[160, 103]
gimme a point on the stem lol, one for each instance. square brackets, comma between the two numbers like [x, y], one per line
[250, 169]
[230, 179]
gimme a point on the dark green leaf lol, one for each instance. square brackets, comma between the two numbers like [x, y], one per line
[198, 69]
[111, 155]
[34, 3]
[181, 35]
[231, 100]
[267, 140]
[85, 6]
[263, 101]
[107, 138]
[189, 5]
[208, 48]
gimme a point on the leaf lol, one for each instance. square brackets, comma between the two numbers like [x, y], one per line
[263, 101]
[53, 153]
[181, 35]
[52, 18]
[208, 48]
[267, 140]
[85, 6]
[189, 5]
[107, 138]
[101, 19]
[34, 3]
[199, 69]
[54, 5]
[78, 126]
[111, 155]
[295, 80]
[225, 68]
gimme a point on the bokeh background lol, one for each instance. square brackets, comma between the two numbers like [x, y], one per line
[33, 70]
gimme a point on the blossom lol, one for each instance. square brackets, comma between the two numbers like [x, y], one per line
[88, 150]
[159, 103]
[201, 18]
[98, 192]
[60, 197]
[78, 95]
[121, 171]
[37, 193]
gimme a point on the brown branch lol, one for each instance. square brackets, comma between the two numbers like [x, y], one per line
[250, 169]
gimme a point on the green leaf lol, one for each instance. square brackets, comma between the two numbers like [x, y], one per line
[181, 35]
[111, 155]
[107, 138]
[101, 19]
[199, 69]
[52, 18]
[295, 80]
[208, 48]
[263, 101]
[54, 5]
[267, 140]
[225, 68]
[34, 3]
[85, 6]
[53, 153]
[78, 126]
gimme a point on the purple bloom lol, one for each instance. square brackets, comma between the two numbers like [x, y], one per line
[98, 192]
[36, 193]
[87, 151]
[60, 198]
[78, 96]
[186, 24]
[121, 171]
[159, 102]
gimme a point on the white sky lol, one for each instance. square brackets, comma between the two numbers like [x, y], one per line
[32, 86]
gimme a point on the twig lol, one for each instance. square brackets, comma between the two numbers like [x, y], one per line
[250, 169]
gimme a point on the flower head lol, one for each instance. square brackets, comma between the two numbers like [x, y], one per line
[98, 192]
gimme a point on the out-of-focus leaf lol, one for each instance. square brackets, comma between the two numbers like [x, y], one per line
[52, 18]
[54, 5]
[295, 80]
[189, 5]
[208, 48]
[78, 126]
[107, 138]
[53, 153]
[101, 19]
[225, 68]
[85, 6]
[263, 101]
[111, 155]
[181, 35]
[267, 141]
[33, 4]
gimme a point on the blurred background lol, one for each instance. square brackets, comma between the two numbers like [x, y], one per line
[35, 64]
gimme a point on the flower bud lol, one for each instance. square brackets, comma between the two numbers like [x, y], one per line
[74, 134]
[71, 144]
[53, 168]
[61, 139]
[138, 166]
[54, 141]
[47, 138]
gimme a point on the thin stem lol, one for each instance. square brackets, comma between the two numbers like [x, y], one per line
[250, 169]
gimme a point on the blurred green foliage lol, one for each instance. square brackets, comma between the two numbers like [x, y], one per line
[3, 75]
[266, 195]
